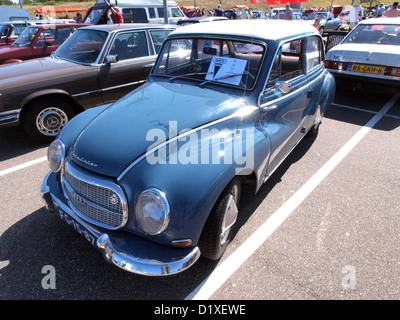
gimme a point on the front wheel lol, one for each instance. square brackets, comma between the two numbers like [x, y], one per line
[45, 118]
[218, 228]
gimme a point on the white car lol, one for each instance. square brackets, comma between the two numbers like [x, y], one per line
[369, 55]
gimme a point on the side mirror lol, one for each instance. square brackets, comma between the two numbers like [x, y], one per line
[111, 58]
[283, 86]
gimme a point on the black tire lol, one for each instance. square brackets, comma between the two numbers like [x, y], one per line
[45, 118]
[214, 240]
[321, 31]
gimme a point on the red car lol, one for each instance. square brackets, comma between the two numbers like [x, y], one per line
[10, 30]
[37, 41]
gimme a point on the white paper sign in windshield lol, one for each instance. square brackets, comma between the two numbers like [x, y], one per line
[223, 69]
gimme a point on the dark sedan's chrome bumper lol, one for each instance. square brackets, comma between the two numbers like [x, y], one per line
[125, 250]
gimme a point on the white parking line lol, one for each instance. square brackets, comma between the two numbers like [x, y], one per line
[22, 166]
[218, 277]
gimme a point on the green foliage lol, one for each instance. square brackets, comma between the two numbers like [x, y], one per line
[6, 2]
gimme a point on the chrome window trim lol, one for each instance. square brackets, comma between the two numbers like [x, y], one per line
[110, 41]
[98, 183]
[123, 85]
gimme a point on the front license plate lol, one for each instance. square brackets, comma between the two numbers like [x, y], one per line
[77, 226]
[366, 69]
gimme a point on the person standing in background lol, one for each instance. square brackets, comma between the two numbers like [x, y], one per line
[355, 14]
[115, 14]
[394, 12]
[288, 15]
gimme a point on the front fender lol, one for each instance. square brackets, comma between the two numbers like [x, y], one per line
[42, 93]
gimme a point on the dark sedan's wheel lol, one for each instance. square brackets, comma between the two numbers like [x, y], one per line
[218, 229]
[45, 118]
[321, 31]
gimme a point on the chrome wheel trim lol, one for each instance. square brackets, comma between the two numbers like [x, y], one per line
[230, 215]
[51, 120]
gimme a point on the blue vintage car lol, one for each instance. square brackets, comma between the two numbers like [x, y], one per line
[154, 179]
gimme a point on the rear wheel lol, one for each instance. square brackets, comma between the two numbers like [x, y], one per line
[217, 232]
[45, 118]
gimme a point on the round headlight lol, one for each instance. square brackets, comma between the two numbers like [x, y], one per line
[152, 211]
[56, 155]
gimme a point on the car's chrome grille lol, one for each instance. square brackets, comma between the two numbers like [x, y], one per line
[93, 200]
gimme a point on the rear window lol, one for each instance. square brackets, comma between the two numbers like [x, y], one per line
[375, 34]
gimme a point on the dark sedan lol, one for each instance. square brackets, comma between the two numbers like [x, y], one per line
[95, 66]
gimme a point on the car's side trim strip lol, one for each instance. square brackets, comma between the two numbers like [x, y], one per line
[124, 85]
[9, 116]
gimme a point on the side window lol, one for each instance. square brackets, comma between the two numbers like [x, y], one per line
[130, 45]
[46, 38]
[152, 13]
[158, 36]
[288, 63]
[313, 53]
[134, 15]
[61, 35]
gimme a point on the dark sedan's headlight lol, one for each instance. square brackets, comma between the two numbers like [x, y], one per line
[56, 155]
[152, 211]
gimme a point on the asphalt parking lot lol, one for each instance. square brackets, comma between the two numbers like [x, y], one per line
[325, 226]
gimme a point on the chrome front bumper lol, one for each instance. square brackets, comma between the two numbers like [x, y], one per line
[123, 249]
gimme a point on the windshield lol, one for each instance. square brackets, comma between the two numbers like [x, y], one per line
[377, 33]
[26, 37]
[83, 46]
[224, 62]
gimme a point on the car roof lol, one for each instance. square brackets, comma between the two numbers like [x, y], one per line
[12, 22]
[381, 21]
[51, 26]
[262, 29]
[130, 26]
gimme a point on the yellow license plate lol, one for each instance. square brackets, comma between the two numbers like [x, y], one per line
[366, 69]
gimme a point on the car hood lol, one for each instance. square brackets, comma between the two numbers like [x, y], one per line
[35, 73]
[379, 54]
[126, 129]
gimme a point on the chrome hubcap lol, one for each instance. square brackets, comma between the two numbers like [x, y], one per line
[51, 120]
[230, 214]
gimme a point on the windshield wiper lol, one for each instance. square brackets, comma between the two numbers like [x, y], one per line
[224, 77]
[189, 75]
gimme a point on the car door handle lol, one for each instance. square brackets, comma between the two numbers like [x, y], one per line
[309, 93]
[265, 109]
